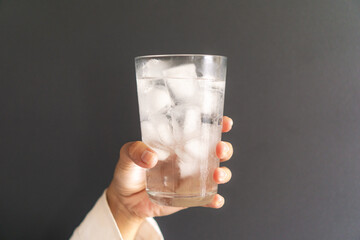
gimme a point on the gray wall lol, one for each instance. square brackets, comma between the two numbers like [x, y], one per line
[68, 103]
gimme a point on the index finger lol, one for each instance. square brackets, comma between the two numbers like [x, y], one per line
[227, 124]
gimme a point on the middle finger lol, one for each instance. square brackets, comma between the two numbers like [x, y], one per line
[224, 151]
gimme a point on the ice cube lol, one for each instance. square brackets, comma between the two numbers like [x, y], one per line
[182, 90]
[162, 154]
[192, 121]
[143, 86]
[148, 132]
[196, 152]
[182, 71]
[154, 68]
[197, 149]
[157, 100]
[186, 120]
[181, 82]
[209, 102]
[188, 169]
[164, 129]
[187, 165]
[153, 97]
[157, 132]
[165, 133]
[211, 96]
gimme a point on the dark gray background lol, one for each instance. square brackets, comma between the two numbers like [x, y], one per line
[68, 102]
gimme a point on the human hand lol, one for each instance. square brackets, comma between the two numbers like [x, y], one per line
[126, 195]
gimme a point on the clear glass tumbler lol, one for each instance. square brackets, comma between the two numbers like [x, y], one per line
[181, 101]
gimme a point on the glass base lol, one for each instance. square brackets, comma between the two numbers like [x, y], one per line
[176, 200]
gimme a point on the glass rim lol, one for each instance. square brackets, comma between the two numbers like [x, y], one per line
[179, 55]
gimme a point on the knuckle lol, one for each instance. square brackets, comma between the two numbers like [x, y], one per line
[124, 147]
[134, 146]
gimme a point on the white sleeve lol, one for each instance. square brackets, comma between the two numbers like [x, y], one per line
[99, 223]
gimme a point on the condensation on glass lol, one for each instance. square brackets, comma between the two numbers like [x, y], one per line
[181, 101]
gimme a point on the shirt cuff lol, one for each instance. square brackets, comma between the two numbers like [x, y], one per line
[99, 223]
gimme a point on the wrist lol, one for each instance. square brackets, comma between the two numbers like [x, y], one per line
[118, 208]
[127, 221]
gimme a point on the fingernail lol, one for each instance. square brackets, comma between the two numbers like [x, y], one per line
[222, 175]
[220, 202]
[147, 156]
[226, 150]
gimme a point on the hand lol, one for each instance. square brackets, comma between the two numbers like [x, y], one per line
[126, 195]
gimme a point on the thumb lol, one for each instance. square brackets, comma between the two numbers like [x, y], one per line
[138, 153]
